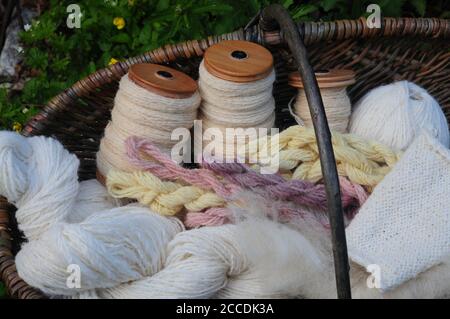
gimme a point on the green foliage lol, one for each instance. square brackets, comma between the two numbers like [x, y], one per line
[56, 56]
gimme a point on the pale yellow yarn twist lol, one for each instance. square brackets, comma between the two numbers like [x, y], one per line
[364, 162]
[163, 197]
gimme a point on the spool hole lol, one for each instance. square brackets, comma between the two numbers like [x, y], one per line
[164, 74]
[239, 55]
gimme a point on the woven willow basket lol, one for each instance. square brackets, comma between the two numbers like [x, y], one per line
[417, 50]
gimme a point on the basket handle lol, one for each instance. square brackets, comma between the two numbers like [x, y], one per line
[275, 16]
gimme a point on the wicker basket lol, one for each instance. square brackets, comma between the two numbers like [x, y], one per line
[417, 50]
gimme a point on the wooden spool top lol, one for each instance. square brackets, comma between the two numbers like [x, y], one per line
[238, 61]
[162, 80]
[334, 78]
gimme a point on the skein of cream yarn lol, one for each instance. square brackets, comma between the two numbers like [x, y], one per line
[151, 102]
[92, 197]
[257, 258]
[394, 114]
[40, 178]
[109, 248]
[235, 93]
[333, 89]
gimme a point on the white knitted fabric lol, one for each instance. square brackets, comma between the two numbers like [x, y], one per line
[404, 227]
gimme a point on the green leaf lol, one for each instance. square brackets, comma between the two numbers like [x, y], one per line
[214, 8]
[162, 5]
[304, 10]
[420, 6]
[121, 38]
[287, 3]
[327, 5]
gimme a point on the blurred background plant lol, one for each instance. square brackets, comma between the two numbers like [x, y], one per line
[55, 56]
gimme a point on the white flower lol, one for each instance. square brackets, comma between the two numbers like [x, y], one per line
[27, 27]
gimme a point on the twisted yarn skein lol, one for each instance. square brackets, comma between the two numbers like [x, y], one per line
[40, 178]
[394, 114]
[164, 197]
[253, 259]
[148, 189]
[92, 197]
[109, 248]
[363, 161]
[139, 111]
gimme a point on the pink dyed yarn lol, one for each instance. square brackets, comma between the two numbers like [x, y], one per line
[215, 216]
[167, 169]
[297, 191]
[143, 154]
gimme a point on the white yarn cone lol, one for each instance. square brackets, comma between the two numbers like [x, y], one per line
[394, 114]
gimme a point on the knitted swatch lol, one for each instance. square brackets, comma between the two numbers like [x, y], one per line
[404, 227]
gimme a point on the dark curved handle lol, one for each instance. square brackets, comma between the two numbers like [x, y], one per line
[276, 14]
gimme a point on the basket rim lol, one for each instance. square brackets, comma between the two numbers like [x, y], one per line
[312, 32]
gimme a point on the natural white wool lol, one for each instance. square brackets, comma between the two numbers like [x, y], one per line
[394, 114]
[227, 104]
[92, 197]
[139, 112]
[312, 282]
[404, 227]
[110, 248]
[337, 108]
[256, 258]
[40, 177]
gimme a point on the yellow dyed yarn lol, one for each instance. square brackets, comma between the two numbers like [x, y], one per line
[164, 198]
[364, 162]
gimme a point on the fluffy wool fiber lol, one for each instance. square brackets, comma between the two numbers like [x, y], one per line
[311, 282]
[394, 114]
[261, 258]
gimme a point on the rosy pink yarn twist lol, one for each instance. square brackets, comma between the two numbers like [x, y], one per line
[239, 176]
[298, 191]
[167, 169]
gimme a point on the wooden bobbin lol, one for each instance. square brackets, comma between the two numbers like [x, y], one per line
[238, 61]
[162, 80]
[333, 78]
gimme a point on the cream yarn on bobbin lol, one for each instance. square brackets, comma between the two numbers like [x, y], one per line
[235, 82]
[333, 89]
[151, 102]
[394, 114]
